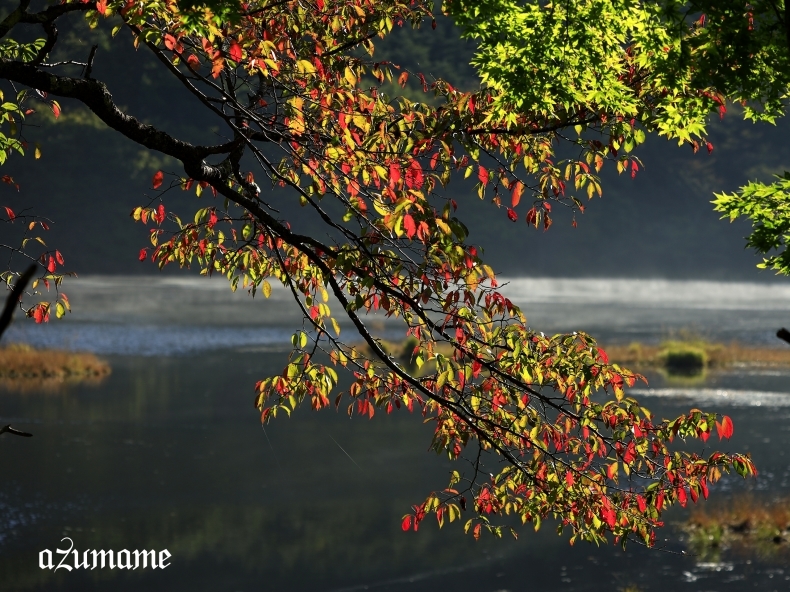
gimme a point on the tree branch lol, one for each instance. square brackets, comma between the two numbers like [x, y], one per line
[95, 95]
[13, 298]
[12, 19]
[14, 431]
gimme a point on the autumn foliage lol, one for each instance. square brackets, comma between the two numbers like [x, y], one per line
[545, 422]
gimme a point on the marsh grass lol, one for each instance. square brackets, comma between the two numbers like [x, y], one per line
[23, 368]
[693, 356]
[744, 523]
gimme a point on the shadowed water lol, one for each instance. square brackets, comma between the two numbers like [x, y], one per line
[169, 453]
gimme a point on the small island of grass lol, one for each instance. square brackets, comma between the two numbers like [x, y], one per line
[691, 357]
[24, 368]
[745, 524]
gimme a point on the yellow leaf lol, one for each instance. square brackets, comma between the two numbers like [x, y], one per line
[266, 288]
[350, 76]
[442, 225]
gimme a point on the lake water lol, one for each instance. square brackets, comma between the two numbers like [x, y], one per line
[168, 452]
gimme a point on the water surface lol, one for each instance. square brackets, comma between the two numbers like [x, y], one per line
[169, 453]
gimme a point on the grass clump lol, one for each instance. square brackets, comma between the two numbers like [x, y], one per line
[691, 357]
[684, 358]
[24, 368]
[746, 524]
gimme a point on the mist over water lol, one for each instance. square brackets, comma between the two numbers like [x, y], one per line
[165, 315]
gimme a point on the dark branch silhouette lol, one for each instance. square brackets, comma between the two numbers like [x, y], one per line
[783, 334]
[5, 320]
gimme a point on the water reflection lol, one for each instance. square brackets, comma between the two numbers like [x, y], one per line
[169, 453]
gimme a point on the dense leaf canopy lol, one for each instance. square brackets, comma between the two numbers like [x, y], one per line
[544, 421]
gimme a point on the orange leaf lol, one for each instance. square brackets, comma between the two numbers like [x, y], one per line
[409, 225]
[403, 78]
[725, 428]
[515, 197]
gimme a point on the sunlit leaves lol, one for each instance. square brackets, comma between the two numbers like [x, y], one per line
[294, 84]
[767, 206]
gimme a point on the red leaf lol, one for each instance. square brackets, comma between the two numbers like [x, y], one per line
[10, 213]
[403, 78]
[320, 4]
[511, 213]
[157, 180]
[235, 51]
[55, 108]
[472, 104]
[569, 479]
[704, 486]
[394, 174]
[160, 214]
[602, 356]
[532, 217]
[725, 428]
[406, 524]
[212, 219]
[101, 7]
[640, 501]
[515, 197]
[710, 147]
[58, 257]
[193, 61]
[482, 174]
[51, 264]
[414, 177]
[409, 225]
[682, 496]
[170, 41]
[38, 314]
[143, 254]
